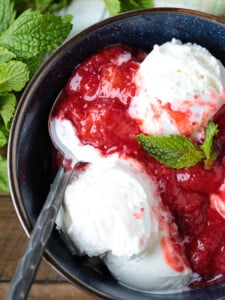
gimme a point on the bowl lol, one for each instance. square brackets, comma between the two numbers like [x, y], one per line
[30, 152]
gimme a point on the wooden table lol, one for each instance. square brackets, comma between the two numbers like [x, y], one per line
[48, 284]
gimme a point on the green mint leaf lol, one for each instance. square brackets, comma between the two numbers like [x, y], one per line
[50, 5]
[4, 186]
[8, 104]
[175, 151]
[13, 76]
[4, 135]
[127, 5]
[7, 14]
[113, 6]
[33, 33]
[6, 55]
[33, 64]
[119, 6]
[207, 147]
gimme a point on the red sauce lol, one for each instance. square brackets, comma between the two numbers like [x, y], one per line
[106, 124]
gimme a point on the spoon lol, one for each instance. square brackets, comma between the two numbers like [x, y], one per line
[30, 260]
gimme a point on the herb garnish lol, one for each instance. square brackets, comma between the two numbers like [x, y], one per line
[178, 152]
[23, 41]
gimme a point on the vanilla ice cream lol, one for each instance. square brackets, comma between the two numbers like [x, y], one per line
[113, 209]
[181, 87]
[115, 213]
[149, 272]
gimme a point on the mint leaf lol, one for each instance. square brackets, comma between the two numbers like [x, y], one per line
[7, 108]
[175, 151]
[6, 55]
[127, 5]
[113, 6]
[50, 5]
[3, 135]
[13, 76]
[119, 6]
[207, 147]
[32, 33]
[7, 14]
[33, 64]
[8, 104]
[4, 186]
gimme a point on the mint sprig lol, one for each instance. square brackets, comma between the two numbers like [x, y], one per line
[24, 39]
[7, 14]
[27, 35]
[178, 152]
[119, 6]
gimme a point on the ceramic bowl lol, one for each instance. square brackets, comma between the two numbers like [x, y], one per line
[30, 152]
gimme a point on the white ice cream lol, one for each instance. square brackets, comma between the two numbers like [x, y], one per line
[110, 208]
[181, 87]
[148, 272]
[113, 209]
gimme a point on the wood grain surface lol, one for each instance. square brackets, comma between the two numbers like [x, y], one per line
[48, 284]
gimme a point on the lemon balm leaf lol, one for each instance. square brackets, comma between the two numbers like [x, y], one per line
[13, 76]
[33, 33]
[175, 151]
[7, 14]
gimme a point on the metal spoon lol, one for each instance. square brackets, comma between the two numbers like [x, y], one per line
[30, 260]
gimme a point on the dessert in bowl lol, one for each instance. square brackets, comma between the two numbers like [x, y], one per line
[32, 161]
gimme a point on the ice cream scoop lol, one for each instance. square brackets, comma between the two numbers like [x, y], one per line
[181, 87]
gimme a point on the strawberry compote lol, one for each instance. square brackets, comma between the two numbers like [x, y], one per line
[96, 100]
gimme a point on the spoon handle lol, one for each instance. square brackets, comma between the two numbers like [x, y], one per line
[29, 262]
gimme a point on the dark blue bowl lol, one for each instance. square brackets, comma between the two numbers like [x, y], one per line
[31, 165]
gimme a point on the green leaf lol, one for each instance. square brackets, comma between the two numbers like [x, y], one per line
[8, 104]
[207, 147]
[175, 151]
[127, 5]
[119, 6]
[6, 55]
[3, 135]
[50, 5]
[4, 186]
[43, 5]
[113, 6]
[13, 76]
[33, 64]
[56, 5]
[33, 33]
[7, 14]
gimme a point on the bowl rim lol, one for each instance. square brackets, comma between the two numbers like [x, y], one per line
[24, 100]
